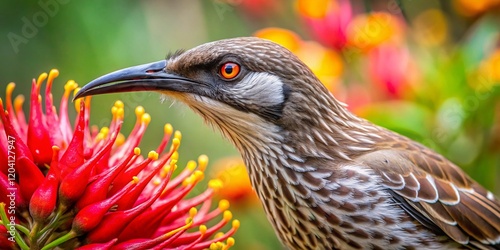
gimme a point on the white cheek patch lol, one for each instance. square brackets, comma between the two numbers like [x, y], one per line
[259, 88]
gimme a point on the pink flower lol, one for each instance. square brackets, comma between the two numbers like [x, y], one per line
[255, 9]
[391, 70]
[328, 20]
[83, 188]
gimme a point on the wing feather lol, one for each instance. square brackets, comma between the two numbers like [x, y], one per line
[427, 191]
[448, 193]
[438, 194]
[438, 211]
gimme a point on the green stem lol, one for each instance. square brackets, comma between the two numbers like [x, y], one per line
[5, 221]
[59, 219]
[33, 234]
[70, 235]
[49, 228]
[51, 223]
[23, 229]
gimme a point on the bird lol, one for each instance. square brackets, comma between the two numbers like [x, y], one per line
[326, 178]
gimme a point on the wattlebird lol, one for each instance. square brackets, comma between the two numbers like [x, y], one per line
[326, 178]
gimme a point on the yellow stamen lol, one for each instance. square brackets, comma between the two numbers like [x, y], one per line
[41, 78]
[69, 86]
[187, 181]
[192, 212]
[135, 179]
[215, 184]
[153, 155]
[146, 118]
[10, 88]
[139, 111]
[119, 104]
[8, 91]
[193, 178]
[120, 113]
[172, 163]
[198, 175]
[76, 89]
[168, 129]
[52, 75]
[167, 168]
[178, 135]
[175, 156]
[191, 165]
[229, 243]
[175, 144]
[99, 137]
[203, 229]
[189, 223]
[77, 105]
[223, 205]
[120, 140]
[137, 151]
[202, 162]
[104, 131]
[164, 171]
[236, 224]
[157, 181]
[227, 216]
[18, 102]
[216, 246]
[218, 235]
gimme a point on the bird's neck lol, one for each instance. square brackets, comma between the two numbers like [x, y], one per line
[293, 170]
[332, 134]
[325, 129]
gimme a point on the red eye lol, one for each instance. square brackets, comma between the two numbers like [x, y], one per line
[229, 70]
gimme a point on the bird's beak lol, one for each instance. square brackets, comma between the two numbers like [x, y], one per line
[146, 77]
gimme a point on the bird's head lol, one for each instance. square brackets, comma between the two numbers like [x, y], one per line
[245, 86]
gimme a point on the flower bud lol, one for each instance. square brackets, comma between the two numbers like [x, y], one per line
[43, 201]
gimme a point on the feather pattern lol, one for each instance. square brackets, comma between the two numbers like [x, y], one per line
[437, 189]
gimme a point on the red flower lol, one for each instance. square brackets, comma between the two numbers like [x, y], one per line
[328, 20]
[394, 81]
[69, 188]
[255, 9]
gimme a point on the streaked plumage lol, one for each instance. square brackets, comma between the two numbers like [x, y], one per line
[327, 179]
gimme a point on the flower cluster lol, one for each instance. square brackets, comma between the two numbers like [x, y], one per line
[87, 188]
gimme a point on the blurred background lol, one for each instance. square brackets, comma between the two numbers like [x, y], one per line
[427, 69]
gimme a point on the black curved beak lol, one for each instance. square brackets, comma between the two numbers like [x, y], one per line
[146, 77]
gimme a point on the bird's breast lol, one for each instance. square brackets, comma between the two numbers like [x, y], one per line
[319, 209]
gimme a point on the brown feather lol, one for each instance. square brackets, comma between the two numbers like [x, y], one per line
[444, 194]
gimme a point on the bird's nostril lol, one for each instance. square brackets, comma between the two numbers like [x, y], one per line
[152, 71]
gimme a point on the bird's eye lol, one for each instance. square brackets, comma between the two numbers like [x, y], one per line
[229, 70]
